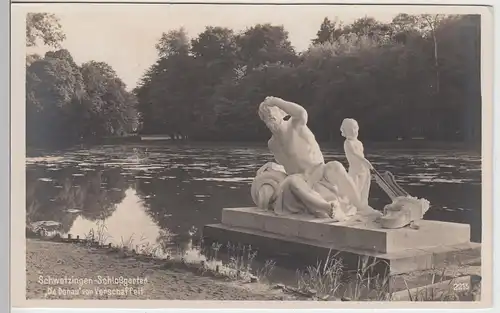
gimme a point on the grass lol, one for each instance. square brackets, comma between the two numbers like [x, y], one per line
[240, 258]
[99, 235]
[327, 280]
[369, 284]
[239, 265]
[432, 294]
[265, 272]
[322, 280]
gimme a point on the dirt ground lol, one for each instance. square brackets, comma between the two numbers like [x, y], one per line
[94, 274]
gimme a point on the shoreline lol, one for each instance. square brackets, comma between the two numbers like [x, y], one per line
[405, 145]
[61, 270]
[95, 274]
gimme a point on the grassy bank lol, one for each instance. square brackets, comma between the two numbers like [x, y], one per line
[46, 260]
[195, 278]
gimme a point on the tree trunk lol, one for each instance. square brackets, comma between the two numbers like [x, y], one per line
[436, 62]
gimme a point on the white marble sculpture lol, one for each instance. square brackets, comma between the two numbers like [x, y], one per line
[404, 211]
[300, 181]
[359, 166]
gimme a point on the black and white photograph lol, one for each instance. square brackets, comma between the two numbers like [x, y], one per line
[221, 152]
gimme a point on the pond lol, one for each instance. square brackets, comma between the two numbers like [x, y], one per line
[162, 194]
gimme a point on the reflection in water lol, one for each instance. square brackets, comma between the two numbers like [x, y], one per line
[159, 193]
[68, 193]
[121, 227]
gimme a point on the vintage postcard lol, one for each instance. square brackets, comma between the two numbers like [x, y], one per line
[251, 155]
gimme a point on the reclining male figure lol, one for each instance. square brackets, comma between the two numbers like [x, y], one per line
[311, 185]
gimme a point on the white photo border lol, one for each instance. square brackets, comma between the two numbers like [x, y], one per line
[7, 73]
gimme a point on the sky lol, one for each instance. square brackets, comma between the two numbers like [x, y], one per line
[124, 36]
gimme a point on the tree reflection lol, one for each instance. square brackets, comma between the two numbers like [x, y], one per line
[170, 205]
[102, 191]
[61, 195]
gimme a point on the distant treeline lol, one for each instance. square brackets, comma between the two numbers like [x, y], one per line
[417, 76]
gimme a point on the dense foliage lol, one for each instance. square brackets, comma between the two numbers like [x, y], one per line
[67, 103]
[418, 76]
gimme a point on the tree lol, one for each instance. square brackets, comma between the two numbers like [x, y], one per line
[404, 22]
[214, 43]
[428, 23]
[54, 81]
[45, 27]
[459, 39]
[215, 53]
[367, 26]
[30, 58]
[172, 43]
[265, 43]
[111, 108]
[167, 95]
[66, 104]
[329, 31]
[405, 28]
[382, 74]
[159, 93]
[54, 87]
[216, 49]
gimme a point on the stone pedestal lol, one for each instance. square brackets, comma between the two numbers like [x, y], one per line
[403, 250]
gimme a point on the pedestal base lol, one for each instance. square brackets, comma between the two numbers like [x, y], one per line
[352, 234]
[311, 251]
[306, 239]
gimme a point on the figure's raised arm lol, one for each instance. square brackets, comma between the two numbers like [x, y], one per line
[297, 112]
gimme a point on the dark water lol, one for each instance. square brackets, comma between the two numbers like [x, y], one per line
[160, 194]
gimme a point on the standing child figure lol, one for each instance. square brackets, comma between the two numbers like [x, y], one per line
[359, 166]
